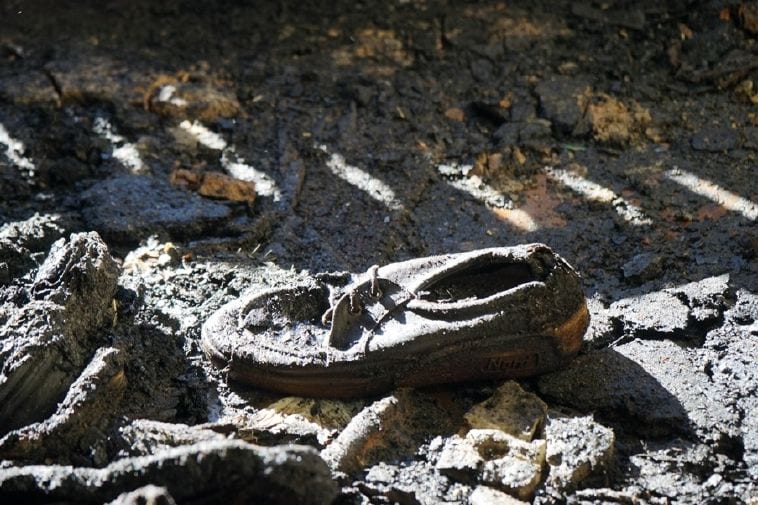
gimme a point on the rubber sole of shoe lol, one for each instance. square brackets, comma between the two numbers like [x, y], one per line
[506, 358]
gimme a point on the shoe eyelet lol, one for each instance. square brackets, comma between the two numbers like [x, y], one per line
[356, 310]
[376, 294]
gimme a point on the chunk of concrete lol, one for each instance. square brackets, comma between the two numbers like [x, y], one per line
[214, 472]
[390, 428]
[510, 409]
[47, 340]
[494, 458]
[299, 419]
[484, 495]
[577, 448]
[80, 419]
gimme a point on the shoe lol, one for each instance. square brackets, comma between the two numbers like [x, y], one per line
[495, 313]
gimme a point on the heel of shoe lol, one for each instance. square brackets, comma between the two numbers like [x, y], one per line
[569, 335]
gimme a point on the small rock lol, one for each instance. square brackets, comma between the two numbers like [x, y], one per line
[523, 110]
[217, 185]
[455, 114]
[186, 179]
[192, 99]
[519, 472]
[152, 254]
[146, 495]
[347, 452]
[577, 448]
[715, 139]
[713, 481]
[507, 134]
[294, 418]
[533, 132]
[459, 459]
[392, 427]
[559, 101]
[643, 267]
[214, 185]
[484, 495]
[510, 409]
[362, 94]
[614, 122]
[522, 134]
[494, 458]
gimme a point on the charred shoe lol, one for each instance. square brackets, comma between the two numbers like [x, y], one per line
[489, 314]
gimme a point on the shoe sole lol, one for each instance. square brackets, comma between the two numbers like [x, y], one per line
[506, 358]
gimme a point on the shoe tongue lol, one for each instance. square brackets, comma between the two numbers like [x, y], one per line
[348, 327]
[343, 321]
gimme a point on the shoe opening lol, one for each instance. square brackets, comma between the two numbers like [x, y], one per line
[478, 282]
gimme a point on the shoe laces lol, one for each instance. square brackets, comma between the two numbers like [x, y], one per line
[355, 306]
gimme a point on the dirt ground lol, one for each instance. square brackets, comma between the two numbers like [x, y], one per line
[218, 147]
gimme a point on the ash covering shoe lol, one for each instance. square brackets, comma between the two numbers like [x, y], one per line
[489, 314]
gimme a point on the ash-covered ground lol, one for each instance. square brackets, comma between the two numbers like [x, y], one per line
[158, 159]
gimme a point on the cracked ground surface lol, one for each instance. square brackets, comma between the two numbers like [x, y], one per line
[216, 148]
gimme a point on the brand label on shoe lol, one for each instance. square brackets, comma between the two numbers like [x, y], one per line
[513, 361]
